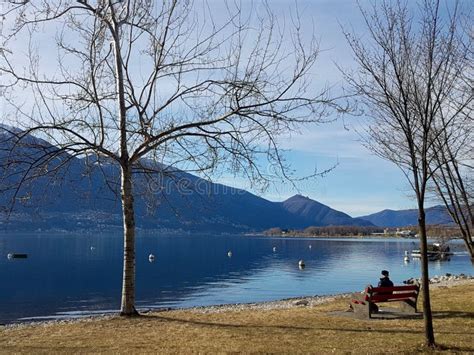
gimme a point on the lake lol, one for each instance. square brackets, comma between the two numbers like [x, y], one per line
[74, 275]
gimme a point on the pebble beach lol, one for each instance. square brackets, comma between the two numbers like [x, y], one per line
[311, 301]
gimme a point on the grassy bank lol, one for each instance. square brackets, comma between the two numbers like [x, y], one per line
[299, 329]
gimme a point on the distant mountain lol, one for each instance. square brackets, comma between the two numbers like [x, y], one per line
[317, 214]
[402, 218]
[85, 196]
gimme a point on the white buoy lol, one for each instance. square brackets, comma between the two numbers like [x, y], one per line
[151, 258]
[406, 252]
[229, 254]
[92, 248]
[310, 246]
[406, 259]
[274, 249]
[301, 264]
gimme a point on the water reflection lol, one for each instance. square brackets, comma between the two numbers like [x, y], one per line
[73, 274]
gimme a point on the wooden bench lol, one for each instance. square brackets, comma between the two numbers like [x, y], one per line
[363, 304]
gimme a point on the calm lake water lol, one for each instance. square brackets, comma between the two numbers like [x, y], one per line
[72, 275]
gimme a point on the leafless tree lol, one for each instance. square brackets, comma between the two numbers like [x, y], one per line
[141, 82]
[453, 149]
[452, 171]
[409, 68]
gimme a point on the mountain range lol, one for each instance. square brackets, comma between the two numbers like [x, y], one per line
[402, 218]
[84, 196]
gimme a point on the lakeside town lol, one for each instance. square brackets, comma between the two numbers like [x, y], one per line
[441, 232]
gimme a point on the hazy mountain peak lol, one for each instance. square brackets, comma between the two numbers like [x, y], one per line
[298, 197]
[400, 218]
[318, 214]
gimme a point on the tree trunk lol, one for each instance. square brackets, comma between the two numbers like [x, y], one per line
[127, 307]
[425, 279]
[469, 247]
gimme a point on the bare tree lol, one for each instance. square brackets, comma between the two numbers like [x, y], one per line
[452, 172]
[453, 148]
[409, 68]
[140, 82]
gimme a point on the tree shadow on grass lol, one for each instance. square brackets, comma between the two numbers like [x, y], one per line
[455, 348]
[362, 329]
[391, 313]
[383, 314]
[453, 314]
[226, 325]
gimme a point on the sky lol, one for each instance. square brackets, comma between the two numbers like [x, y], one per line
[359, 182]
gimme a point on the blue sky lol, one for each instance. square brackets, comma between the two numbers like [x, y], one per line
[361, 183]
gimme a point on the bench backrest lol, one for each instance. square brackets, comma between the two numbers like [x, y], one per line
[400, 289]
[387, 293]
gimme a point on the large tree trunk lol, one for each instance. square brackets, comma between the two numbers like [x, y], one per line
[127, 307]
[425, 279]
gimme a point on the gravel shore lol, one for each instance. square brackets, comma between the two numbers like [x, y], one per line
[311, 301]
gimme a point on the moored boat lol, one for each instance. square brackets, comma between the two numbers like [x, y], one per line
[435, 251]
[17, 256]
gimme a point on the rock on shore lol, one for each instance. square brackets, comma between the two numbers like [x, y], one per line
[443, 280]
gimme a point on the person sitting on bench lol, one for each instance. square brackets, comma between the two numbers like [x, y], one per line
[364, 304]
[385, 280]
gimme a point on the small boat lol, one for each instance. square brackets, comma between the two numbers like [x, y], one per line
[17, 256]
[435, 251]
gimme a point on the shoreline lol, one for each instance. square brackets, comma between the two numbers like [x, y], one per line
[148, 233]
[442, 281]
[311, 301]
[369, 236]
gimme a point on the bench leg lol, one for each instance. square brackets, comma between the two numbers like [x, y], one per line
[362, 308]
[361, 311]
[409, 306]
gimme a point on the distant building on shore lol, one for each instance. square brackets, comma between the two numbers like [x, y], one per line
[404, 233]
